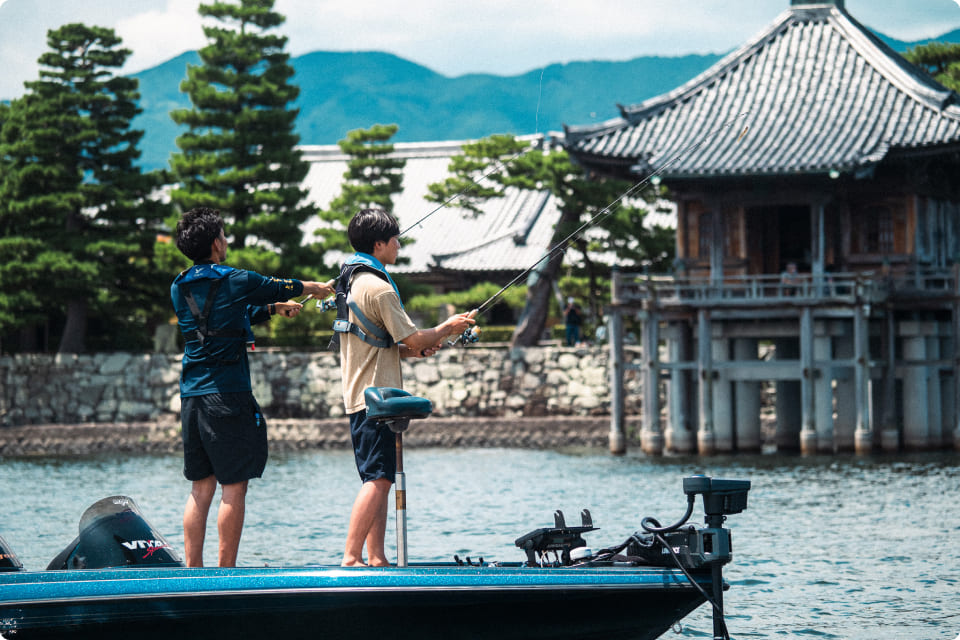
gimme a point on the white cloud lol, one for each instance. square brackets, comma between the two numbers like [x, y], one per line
[494, 36]
[161, 33]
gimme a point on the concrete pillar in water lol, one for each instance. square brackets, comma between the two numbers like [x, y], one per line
[863, 436]
[823, 387]
[747, 395]
[617, 438]
[808, 423]
[651, 437]
[705, 435]
[916, 414]
[935, 435]
[845, 424]
[722, 397]
[679, 436]
[787, 435]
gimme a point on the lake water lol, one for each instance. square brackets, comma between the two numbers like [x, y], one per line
[848, 547]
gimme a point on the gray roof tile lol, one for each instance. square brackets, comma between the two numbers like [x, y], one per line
[816, 91]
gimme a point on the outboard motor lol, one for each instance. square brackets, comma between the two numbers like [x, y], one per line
[8, 559]
[113, 533]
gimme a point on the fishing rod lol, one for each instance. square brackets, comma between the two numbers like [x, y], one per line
[472, 334]
[497, 165]
[560, 246]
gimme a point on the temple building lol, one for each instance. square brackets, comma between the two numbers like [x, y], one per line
[815, 174]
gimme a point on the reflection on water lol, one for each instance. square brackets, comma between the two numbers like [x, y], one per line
[848, 547]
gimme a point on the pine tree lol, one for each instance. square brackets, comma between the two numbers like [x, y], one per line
[489, 166]
[941, 60]
[371, 179]
[76, 221]
[239, 154]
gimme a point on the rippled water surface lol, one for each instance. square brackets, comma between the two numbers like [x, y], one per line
[859, 548]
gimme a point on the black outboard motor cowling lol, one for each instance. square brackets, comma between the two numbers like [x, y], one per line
[113, 533]
[8, 559]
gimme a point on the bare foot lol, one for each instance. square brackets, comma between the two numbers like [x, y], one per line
[379, 563]
[352, 563]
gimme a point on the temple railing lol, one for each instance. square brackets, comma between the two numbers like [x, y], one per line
[771, 290]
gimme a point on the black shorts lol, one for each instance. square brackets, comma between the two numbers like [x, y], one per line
[374, 447]
[225, 435]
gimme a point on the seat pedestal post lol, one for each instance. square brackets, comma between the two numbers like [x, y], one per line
[400, 490]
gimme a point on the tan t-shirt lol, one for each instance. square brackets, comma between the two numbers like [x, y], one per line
[363, 365]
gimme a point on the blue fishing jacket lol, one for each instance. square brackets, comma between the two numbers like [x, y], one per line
[216, 329]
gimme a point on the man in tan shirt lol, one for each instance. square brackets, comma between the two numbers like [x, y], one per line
[380, 334]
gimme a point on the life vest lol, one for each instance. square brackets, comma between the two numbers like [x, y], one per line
[187, 282]
[366, 330]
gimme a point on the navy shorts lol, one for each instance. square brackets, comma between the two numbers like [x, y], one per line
[224, 435]
[374, 447]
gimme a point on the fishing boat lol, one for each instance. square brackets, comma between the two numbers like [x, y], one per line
[119, 579]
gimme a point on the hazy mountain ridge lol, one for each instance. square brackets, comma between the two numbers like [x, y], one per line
[340, 91]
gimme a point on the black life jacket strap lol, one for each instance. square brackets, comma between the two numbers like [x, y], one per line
[202, 332]
[374, 335]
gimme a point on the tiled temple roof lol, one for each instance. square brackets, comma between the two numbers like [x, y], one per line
[816, 92]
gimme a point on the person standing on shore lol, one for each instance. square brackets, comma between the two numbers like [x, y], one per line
[224, 432]
[572, 321]
[373, 339]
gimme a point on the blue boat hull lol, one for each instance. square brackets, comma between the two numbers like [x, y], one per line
[286, 603]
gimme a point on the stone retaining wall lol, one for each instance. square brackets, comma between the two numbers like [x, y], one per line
[471, 382]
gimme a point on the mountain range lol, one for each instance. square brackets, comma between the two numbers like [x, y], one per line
[340, 91]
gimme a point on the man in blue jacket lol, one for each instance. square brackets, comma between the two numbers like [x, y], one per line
[224, 432]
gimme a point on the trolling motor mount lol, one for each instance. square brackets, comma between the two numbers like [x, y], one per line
[560, 539]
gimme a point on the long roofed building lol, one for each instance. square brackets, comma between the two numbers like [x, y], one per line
[814, 146]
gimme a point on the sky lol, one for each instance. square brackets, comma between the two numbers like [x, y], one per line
[451, 37]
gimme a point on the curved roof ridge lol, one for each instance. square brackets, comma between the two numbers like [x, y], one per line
[823, 94]
[891, 65]
[720, 69]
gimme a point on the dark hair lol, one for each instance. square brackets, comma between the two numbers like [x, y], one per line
[197, 230]
[368, 226]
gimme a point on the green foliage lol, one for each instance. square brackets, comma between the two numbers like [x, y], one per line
[371, 179]
[239, 154]
[478, 173]
[76, 214]
[472, 298]
[941, 60]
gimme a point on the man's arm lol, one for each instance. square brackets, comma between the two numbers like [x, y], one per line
[423, 340]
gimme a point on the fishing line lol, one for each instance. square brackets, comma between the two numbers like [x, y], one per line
[327, 305]
[498, 164]
[560, 246]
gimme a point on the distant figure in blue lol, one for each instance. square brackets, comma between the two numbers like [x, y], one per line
[572, 319]
[224, 432]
